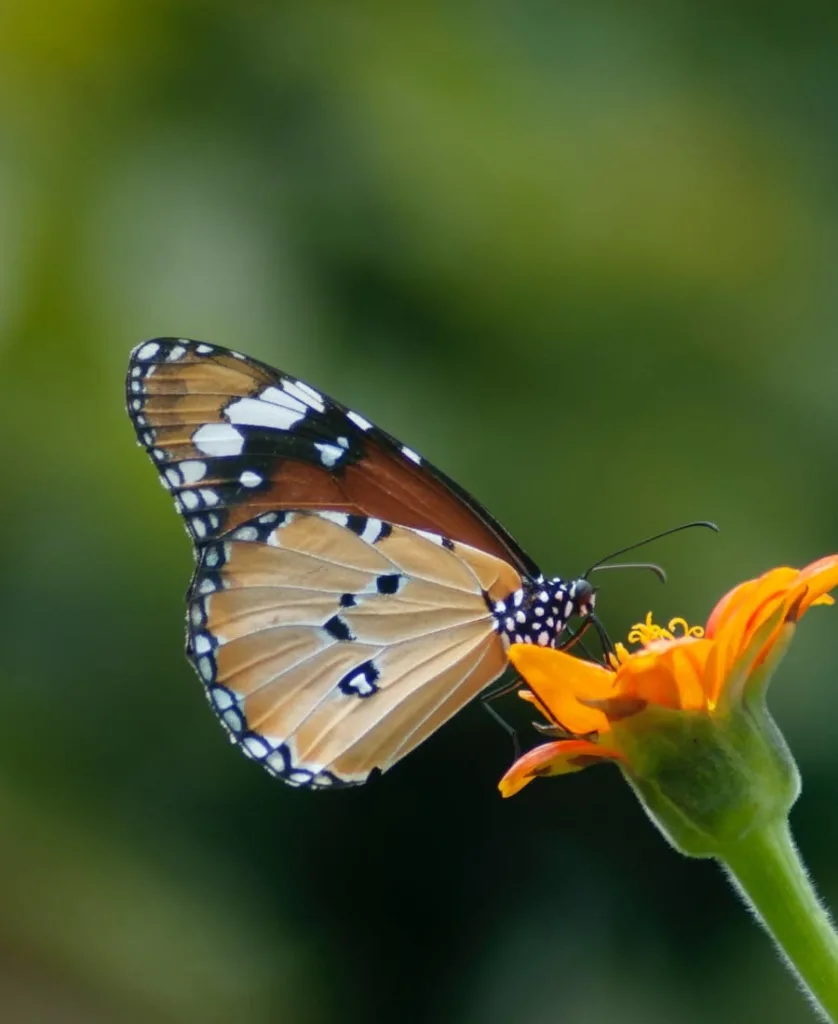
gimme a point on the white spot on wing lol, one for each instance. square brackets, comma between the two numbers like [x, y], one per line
[255, 746]
[372, 531]
[189, 499]
[329, 453]
[148, 351]
[283, 398]
[193, 470]
[306, 394]
[341, 518]
[233, 720]
[221, 699]
[218, 439]
[277, 761]
[255, 413]
[204, 350]
[246, 533]
[250, 479]
[359, 421]
[209, 496]
[409, 453]
[177, 352]
[434, 538]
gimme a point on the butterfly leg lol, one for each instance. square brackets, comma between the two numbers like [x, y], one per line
[510, 730]
[575, 638]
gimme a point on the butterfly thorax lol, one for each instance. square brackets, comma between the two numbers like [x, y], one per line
[539, 612]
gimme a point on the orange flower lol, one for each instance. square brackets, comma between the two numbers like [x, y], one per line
[700, 672]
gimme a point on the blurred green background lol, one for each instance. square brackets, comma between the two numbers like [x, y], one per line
[584, 257]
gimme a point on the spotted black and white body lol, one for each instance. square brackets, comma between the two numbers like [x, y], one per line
[348, 597]
[538, 612]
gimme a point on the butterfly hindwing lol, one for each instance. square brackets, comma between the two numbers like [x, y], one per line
[330, 647]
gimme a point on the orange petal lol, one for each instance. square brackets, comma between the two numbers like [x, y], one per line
[686, 660]
[557, 758]
[669, 673]
[744, 615]
[819, 577]
[560, 681]
[735, 635]
[748, 593]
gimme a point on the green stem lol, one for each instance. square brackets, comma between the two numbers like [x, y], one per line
[766, 868]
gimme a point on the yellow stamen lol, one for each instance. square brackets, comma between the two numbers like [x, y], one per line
[646, 632]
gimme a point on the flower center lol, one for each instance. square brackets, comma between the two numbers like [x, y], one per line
[645, 632]
[649, 632]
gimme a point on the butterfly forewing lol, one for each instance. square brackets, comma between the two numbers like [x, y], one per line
[230, 437]
[330, 651]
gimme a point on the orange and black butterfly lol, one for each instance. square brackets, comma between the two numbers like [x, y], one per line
[348, 597]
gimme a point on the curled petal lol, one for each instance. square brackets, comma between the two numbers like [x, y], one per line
[819, 577]
[749, 595]
[731, 664]
[745, 617]
[561, 682]
[559, 758]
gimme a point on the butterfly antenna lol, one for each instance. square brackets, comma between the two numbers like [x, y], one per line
[651, 566]
[648, 540]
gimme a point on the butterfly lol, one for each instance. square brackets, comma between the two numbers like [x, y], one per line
[348, 597]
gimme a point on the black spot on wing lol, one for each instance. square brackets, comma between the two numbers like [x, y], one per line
[336, 627]
[357, 524]
[389, 583]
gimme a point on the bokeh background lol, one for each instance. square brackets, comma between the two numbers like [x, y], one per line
[584, 257]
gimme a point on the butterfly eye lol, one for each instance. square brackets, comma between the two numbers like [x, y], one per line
[583, 596]
[348, 597]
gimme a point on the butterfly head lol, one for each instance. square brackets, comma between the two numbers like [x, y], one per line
[582, 595]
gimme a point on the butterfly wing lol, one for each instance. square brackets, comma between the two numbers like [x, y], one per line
[344, 604]
[331, 646]
[232, 437]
